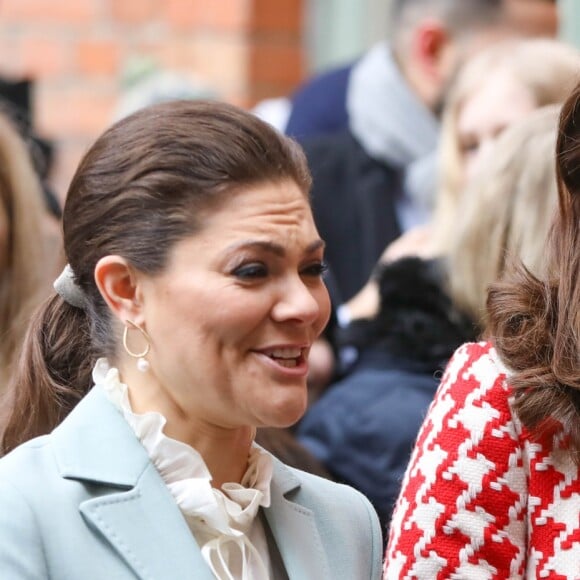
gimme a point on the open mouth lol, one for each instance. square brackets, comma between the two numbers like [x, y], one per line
[290, 357]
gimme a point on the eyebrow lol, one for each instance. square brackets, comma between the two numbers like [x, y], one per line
[273, 247]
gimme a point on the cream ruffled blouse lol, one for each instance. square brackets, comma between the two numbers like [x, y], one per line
[224, 523]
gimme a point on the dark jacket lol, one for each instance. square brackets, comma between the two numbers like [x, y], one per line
[364, 427]
[319, 106]
[353, 200]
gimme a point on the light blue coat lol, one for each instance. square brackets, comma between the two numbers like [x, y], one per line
[85, 502]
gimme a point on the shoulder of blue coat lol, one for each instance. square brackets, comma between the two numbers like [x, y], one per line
[24, 457]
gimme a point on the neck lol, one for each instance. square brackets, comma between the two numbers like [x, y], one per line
[225, 450]
[417, 83]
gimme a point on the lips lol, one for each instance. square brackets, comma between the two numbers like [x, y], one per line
[291, 358]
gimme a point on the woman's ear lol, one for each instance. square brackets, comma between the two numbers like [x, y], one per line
[117, 283]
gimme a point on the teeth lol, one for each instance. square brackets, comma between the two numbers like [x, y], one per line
[290, 363]
[285, 353]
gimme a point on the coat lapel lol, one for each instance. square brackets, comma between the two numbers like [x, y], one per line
[133, 509]
[147, 529]
[135, 513]
[294, 529]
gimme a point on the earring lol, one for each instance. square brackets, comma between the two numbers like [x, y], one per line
[142, 363]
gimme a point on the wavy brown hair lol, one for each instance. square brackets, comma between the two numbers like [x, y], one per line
[147, 183]
[534, 322]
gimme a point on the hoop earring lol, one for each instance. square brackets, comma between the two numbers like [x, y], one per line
[142, 363]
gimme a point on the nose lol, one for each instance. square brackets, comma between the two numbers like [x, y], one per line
[300, 302]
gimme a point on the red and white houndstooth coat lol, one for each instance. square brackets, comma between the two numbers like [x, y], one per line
[480, 498]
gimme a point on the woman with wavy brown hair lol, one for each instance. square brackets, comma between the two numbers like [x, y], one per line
[493, 486]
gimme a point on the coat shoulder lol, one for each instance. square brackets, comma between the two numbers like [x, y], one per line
[26, 460]
[345, 518]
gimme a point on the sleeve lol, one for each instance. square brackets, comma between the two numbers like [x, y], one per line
[376, 540]
[357, 534]
[461, 510]
[21, 551]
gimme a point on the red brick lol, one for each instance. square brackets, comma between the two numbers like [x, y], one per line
[238, 99]
[68, 153]
[99, 57]
[223, 15]
[81, 110]
[278, 64]
[218, 60]
[134, 11]
[55, 11]
[261, 91]
[278, 16]
[43, 57]
[178, 53]
[244, 49]
[224, 62]
[10, 55]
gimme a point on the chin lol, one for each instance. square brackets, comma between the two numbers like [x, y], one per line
[287, 413]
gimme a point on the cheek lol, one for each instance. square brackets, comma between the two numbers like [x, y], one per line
[232, 322]
[472, 161]
[468, 169]
[323, 298]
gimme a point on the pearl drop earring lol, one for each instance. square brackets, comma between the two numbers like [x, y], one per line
[142, 363]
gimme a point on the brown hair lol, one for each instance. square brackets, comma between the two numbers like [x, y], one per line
[535, 323]
[144, 185]
[23, 261]
[506, 211]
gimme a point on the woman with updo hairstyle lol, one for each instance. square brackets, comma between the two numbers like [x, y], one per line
[182, 323]
[493, 486]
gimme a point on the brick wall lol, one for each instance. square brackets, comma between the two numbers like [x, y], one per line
[76, 50]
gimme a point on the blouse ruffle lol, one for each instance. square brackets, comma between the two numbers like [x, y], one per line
[223, 521]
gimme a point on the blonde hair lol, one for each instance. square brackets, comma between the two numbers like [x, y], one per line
[547, 68]
[24, 264]
[506, 212]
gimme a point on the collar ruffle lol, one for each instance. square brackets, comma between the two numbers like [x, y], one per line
[220, 520]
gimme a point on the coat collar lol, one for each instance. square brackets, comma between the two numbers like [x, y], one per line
[294, 527]
[136, 515]
[139, 517]
[95, 443]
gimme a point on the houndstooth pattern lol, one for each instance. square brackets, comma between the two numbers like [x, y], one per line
[480, 499]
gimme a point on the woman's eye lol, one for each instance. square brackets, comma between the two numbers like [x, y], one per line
[470, 148]
[251, 271]
[318, 269]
